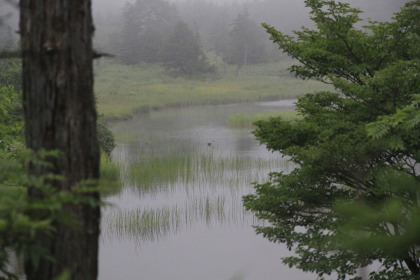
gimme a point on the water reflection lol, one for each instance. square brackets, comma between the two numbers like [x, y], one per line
[181, 188]
[153, 224]
[178, 190]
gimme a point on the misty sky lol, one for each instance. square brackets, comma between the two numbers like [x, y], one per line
[111, 5]
[387, 7]
[382, 6]
[288, 12]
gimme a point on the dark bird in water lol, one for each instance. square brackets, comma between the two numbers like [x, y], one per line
[210, 144]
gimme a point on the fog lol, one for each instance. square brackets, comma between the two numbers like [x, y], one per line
[287, 9]
[380, 9]
[109, 5]
[376, 9]
[285, 15]
[204, 16]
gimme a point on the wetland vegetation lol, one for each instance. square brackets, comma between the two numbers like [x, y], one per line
[125, 90]
[248, 121]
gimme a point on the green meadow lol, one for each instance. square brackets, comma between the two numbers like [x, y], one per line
[125, 90]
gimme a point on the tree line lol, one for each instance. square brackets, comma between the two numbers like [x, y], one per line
[215, 27]
[153, 31]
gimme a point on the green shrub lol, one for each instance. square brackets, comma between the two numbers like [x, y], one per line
[11, 73]
[105, 139]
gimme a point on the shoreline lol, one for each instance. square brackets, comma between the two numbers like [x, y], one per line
[114, 120]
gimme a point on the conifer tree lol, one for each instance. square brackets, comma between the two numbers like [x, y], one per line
[246, 44]
[182, 53]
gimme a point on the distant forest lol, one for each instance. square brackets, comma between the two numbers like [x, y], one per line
[194, 36]
[204, 15]
[146, 25]
[210, 20]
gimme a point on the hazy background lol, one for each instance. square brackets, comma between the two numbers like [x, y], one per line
[275, 10]
[204, 15]
[201, 15]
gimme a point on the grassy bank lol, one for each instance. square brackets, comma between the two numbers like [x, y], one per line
[124, 90]
[247, 121]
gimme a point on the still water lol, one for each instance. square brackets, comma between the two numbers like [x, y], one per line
[179, 213]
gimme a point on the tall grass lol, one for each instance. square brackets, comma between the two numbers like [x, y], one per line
[153, 224]
[108, 170]
[197, 168]
[248, 121]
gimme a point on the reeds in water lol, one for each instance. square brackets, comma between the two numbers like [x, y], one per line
[198, 168]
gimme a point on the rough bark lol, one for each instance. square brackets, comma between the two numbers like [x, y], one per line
[59, 108]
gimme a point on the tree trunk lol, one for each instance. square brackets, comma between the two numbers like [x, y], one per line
[246, 55]
[59, 108]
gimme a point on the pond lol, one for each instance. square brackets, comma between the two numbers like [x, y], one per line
[179, 213]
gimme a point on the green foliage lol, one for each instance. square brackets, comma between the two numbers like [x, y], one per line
[11, 119]
[106, 139]
[11, 112]
[11, 73]
[22, 217]
[354, 197]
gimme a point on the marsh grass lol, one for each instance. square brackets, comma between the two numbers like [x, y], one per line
[144, 224]
[208, 187]
[198, 168]
[155, 171]
[125, 90]
[248, 121]
[153, 224]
